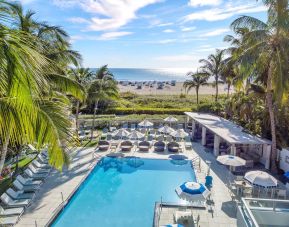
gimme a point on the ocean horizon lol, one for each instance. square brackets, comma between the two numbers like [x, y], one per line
[145, 74]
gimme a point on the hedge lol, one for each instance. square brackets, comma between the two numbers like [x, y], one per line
[121, 110]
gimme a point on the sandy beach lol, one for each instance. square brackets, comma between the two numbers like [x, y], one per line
[171, 90]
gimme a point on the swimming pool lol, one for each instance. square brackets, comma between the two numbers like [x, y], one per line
[122, 192]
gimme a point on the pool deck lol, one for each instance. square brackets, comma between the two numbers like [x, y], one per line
[48, 201]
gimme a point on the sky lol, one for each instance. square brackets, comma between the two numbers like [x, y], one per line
[145, 33]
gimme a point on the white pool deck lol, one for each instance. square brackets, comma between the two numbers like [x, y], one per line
[49, 198]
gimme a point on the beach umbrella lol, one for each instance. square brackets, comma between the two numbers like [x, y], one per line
[180, 133]
[286, 175]
[146, 124]
[231, 160]
[166, 129]
[192, 191]
[261, 178]
[170, 119]
[121, 133]
[135, 135]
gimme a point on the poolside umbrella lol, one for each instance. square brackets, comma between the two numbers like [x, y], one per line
[135, 135]
[170, 119]
[231, 160]
[146, 124]
[166, 129]
[121, 133]
[180, 133]
[286, 175]
[192, 191]
[261, 178]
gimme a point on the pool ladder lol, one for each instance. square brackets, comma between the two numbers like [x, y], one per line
[196, 162]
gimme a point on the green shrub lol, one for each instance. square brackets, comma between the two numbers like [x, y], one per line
[142, 110]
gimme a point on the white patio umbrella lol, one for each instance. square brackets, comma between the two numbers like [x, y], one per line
[170, 119]
[231, 160]
[135, 135]
[180, 133]
[261, 178]
[146, 124]
[192, 191]
[166, 129]
[121, 133]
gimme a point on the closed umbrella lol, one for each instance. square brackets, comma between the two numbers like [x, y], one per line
[261, 178]
[121, 133]
[166, 129]
[180, 133]
[135, 135]
[192, 191]
[170, 119]
[146, 124]
[231, 160]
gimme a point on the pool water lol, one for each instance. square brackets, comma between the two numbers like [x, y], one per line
[122, 192]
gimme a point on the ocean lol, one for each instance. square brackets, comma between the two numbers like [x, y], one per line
[137, 74]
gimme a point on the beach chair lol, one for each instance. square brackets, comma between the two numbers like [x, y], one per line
[144, 146]
[26, 188]
[19, 194]
[183, 216]
[188, 143]
[103, 145]
[35, 176]
[11, 211]
[9, 220]
[42, 159]
[159, 146]
[27, 181]
[126, 146]
[9, 202]
[40, 165]
[38, 170]
[173, 147]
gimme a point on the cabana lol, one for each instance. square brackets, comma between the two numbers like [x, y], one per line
[103, 145]
[144, 146]
[251, 148]
[126, 146]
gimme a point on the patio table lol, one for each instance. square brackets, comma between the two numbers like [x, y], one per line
[241, 185]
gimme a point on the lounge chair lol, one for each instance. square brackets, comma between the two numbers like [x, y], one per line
[187, 216]
[144, 146]
[9, 202]
[11, 211]
[159, 146]
[27, 181]
[38, 170]
[19, 194]
[9, 220]
[188, 143]
[40, 165]
[26, 188]
[126, 145]
[173, 147]
[103, 145]
[35, 176]
[42, 159]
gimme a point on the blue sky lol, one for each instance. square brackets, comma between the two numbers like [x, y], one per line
[145, 33]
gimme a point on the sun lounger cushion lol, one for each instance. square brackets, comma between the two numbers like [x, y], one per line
[11, 211]
[13, 203]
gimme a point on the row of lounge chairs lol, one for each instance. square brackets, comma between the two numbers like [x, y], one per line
[20, 195]
[127, 145]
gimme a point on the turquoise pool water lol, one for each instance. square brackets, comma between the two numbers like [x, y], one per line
[122, 192]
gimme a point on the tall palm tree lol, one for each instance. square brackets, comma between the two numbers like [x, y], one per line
[81, 76]
[197, 80]
[213, 66]
[265, 52]
[103, 88]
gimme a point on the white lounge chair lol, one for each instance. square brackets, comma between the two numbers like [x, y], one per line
[40, 165]
[36, 176]
[27, 181]
[188, 143]
[9, 221]
[11, 211]
[9, 202]
[19, 194]
[38, 170]
[42, 158]
[26, 188]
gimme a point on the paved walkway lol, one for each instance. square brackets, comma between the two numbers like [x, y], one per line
[49, 198]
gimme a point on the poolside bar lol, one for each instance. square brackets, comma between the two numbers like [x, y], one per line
[225, 137]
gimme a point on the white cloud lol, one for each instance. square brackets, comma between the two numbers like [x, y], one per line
[168, 31]
[164, 24]
[107, 14]
[26, 1]
[229, 10]
[78, 20]
[166, 41]
[188, 29]
[215, 32]
[196, 3]
[113, 35]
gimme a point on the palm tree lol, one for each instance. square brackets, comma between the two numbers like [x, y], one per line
[197, 80]
[213, 66]
[103, 88]
[265, 52]
[81, 76]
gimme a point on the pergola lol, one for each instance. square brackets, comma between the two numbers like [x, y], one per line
[229, 132]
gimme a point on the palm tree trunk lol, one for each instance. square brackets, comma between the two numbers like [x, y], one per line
[269, 99]
[228, 93]
[197, 93]
[4, 151]
[77, 117]
[93, 120]
[217, 89]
